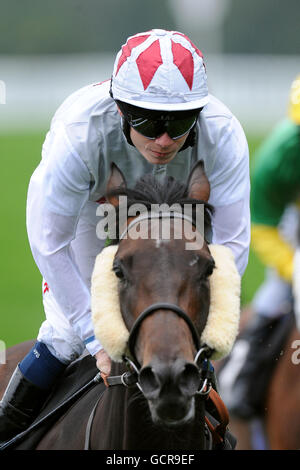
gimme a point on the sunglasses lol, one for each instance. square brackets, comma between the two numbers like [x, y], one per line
[152, 129]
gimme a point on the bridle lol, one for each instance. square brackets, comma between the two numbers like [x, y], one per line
[131, 376]
[156, 215]
[150, 311]
[203, 351]
[202, 355]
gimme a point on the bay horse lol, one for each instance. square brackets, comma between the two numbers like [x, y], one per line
[170, 285]
[278, 425]
[282, 408]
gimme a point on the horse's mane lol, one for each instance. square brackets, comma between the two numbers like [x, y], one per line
[149, 190]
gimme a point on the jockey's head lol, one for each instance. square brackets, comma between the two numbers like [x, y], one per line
[159, 85]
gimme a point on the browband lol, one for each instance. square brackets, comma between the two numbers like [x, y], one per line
[156, 215]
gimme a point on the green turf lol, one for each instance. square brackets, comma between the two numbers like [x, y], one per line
[21, 311]
[20, 281]
[254, 273]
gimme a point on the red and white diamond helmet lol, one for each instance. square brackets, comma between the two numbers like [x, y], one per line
[161, 70]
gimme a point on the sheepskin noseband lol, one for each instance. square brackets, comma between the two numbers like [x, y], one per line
[223, 319]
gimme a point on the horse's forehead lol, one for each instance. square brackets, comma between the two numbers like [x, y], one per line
[168, 234]
[165, 229]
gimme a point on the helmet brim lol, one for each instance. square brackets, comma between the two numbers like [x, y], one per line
[185, 106]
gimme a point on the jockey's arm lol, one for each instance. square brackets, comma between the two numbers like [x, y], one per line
[57, 192]
[273, 250]
[230, 193]
[232, 229]
[275, 186]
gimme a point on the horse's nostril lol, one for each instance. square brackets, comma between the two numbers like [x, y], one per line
[189, 379]
[149, 382]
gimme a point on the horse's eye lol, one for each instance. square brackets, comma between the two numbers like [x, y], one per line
[118, 271]
[209, 270]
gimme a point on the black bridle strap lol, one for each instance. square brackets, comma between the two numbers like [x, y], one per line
[154, 308]
[156, 215]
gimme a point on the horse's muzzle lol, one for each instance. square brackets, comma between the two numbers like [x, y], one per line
[170, 389]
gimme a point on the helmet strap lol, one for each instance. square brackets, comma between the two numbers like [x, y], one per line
[190, 140]
[126, 131]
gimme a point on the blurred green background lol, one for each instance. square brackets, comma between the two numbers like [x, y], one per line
[48, 50]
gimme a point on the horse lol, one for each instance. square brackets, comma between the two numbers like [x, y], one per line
[282, 407]
[278, 425]
[164, 296]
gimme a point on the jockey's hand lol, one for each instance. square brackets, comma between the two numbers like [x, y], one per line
[103, 363]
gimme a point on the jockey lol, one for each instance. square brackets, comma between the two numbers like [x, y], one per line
[154, 116]
[275, 187]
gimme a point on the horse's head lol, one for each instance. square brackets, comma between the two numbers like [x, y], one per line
[154, 266]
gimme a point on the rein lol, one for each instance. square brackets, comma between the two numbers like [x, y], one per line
[214, 434]
[130, 378]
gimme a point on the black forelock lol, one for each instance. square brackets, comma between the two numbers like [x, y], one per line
[149, 190]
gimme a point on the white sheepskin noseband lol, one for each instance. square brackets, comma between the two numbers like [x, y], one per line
[223, 319]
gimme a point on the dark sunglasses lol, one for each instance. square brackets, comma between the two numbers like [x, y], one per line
[152, 129]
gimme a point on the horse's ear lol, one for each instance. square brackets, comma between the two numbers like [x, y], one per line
[115, 181]
[198, 184]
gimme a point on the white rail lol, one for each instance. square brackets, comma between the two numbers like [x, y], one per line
[255, 88]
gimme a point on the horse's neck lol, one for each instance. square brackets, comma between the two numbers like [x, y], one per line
[123, 422]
